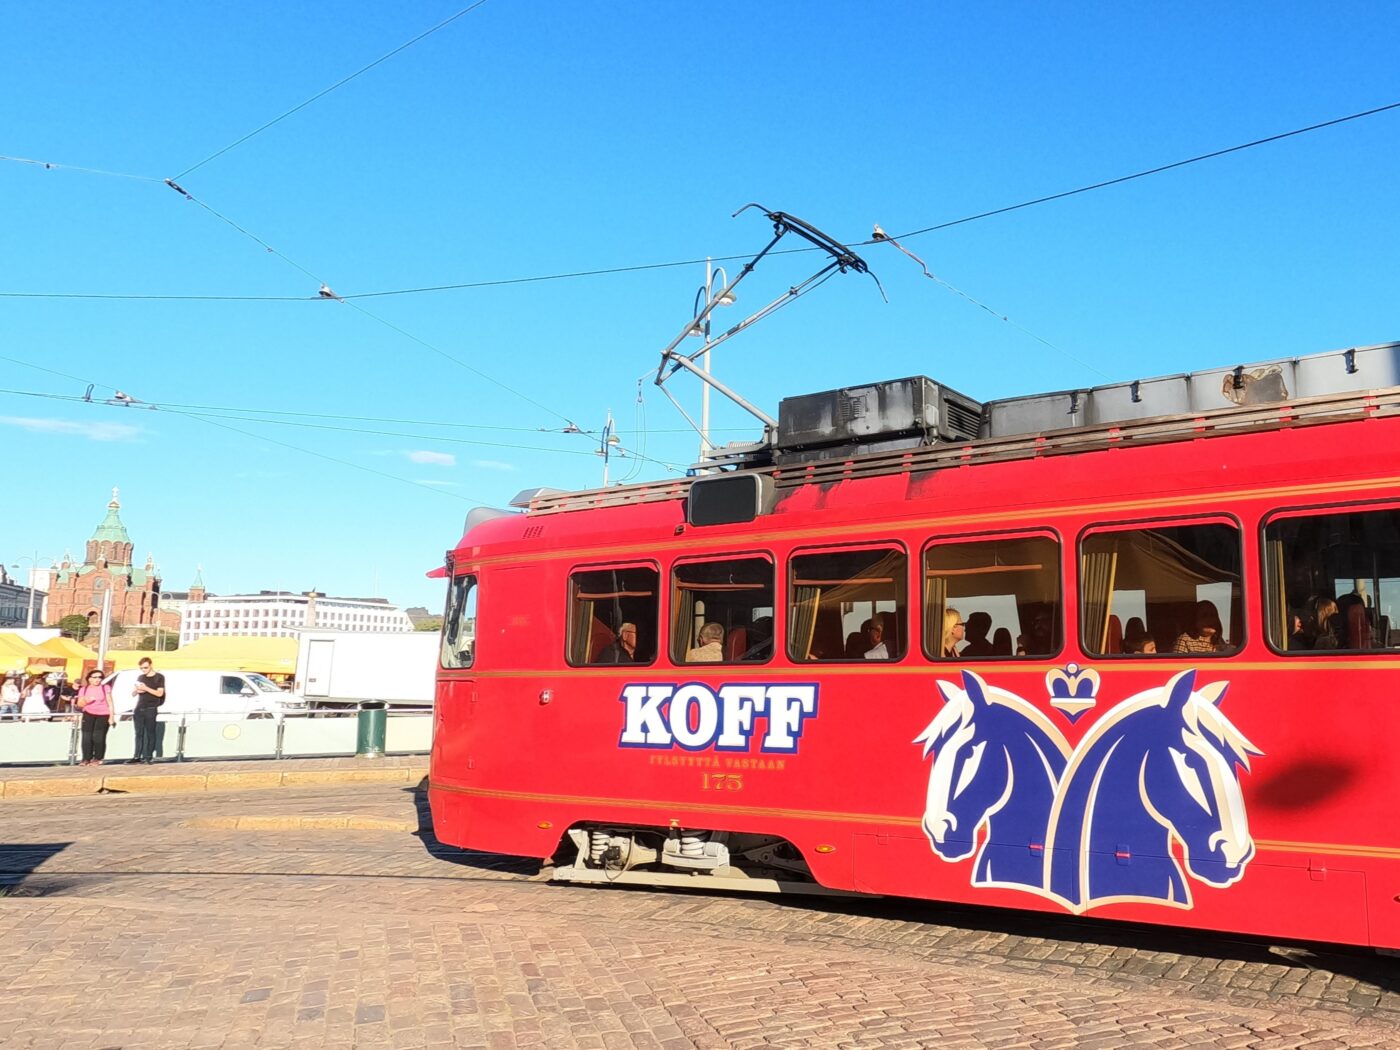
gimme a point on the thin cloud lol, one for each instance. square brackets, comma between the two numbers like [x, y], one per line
[437, 459]
[492, 464]
[91, 431]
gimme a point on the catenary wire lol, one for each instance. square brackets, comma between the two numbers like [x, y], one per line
[49, 165]
[260, 410]
[333, 459]
[339, 83]
[1150, 171]
[250, 416]
[327, 294]
[257, 437]
[609, 271]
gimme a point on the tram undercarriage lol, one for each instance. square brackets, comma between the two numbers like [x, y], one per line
[684, 857]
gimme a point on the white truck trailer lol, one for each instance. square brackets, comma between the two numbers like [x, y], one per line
[338, 669]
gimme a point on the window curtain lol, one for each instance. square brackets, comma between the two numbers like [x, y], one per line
[1276, 600]
[581, 630]
[935, 602]
[683, 625]
[1097, 575]
[805, 603]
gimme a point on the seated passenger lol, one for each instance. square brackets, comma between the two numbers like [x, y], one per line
[954, 630]
[978, 644]
[623, 649]
[876, 648]
[1039, 639]
[1001, 642]
[710, 649]
[1320, 631]
[1205, 633]
[1141, 644]
[1297, 635]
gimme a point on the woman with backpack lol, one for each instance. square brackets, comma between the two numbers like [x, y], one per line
[95, 702]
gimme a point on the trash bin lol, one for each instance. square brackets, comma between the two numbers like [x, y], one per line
[369, 729]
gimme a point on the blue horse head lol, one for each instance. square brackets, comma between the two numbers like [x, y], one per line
[1161, 767]
[997, 761]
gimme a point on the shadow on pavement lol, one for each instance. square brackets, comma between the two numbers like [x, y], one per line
[19, 860]
[493, 862]
[1362, 964]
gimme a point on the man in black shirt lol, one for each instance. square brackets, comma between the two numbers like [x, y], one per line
[150, 694]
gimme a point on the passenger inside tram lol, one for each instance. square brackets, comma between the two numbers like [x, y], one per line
[709, 648]
[979, 625]
[954, 630]
[877, 649]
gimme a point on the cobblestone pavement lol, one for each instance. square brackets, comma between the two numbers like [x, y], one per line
[162, 921]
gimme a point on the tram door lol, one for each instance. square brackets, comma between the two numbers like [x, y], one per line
[456, 687]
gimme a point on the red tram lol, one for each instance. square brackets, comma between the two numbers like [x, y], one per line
[1126, 652]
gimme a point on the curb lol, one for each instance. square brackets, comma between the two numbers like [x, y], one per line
[180, 783]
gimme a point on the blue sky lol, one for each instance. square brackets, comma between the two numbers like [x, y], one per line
[529, 139]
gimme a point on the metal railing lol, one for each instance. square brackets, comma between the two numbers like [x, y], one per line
[57, 741]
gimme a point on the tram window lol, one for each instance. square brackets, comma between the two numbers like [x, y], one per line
[848, 605]
[459, 623]
[613, 615]
[722, 611]
[1165, 590]
[1003, 593]
[1332, 582]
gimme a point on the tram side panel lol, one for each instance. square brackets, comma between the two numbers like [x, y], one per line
[540, 746]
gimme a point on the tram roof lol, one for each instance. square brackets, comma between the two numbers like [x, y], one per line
[1352, 383]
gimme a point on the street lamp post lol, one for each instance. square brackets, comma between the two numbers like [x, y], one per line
[707, 293]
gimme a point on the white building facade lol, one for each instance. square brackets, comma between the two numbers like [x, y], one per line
[274, 614]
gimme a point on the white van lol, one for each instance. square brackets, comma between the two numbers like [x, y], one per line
[210, 694]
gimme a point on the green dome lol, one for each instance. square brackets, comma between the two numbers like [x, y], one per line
[112, 530]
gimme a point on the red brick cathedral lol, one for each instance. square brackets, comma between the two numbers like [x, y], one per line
[106, 567]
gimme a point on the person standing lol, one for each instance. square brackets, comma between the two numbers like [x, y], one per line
[99, 715]
[34, 708]
[150, 694]
[9, 697]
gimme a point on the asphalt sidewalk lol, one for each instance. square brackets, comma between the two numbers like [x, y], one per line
[30, 782]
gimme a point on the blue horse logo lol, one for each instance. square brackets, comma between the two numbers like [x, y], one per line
[997, 762]
[1095, 825]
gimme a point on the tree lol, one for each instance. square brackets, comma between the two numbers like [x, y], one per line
[74, 625]
[432, 623]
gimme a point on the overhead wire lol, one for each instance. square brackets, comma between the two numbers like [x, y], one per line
[332, 459]
[252, 416]
[640, 267]
[325, 292]
[92, 383]
[49, 165]
[261, 410]
[338, 84]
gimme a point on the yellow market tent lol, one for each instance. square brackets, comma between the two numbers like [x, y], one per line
[270, 656]
[73, 652]
[126, 659]
[17, 655]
